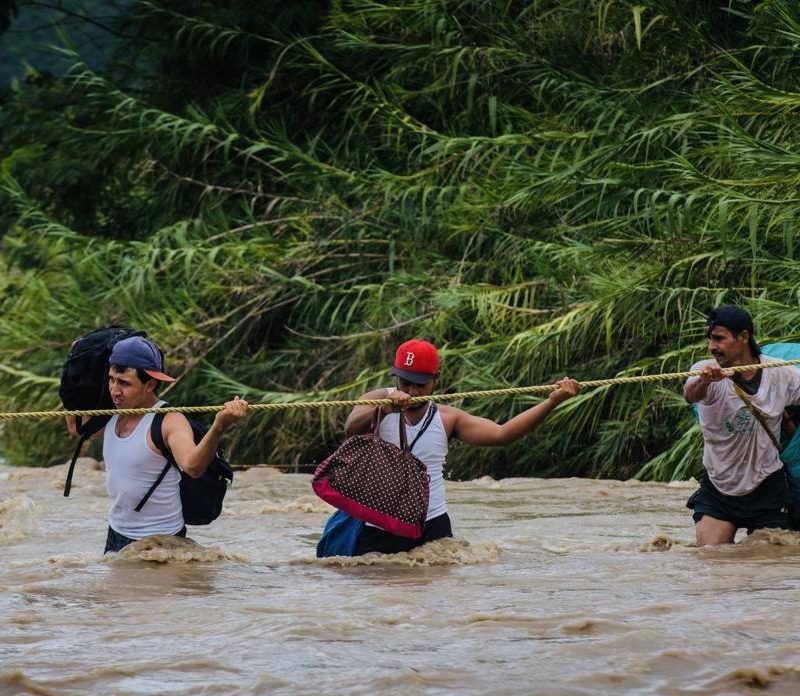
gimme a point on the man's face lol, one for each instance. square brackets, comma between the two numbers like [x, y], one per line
[413, 389]
[126, 389]
[727, 349]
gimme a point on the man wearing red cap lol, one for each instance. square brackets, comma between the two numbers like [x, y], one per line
[133, 462]
[430, 427]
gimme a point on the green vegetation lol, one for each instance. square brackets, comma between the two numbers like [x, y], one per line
[37, 26]
[281, 192]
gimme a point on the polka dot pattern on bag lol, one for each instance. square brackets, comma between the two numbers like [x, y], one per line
[379, 475]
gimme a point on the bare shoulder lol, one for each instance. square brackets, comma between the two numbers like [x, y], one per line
[448, 412]
[450, 416]
[175, 422]
[375, 393]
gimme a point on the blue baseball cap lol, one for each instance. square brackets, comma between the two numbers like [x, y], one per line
[140, 353]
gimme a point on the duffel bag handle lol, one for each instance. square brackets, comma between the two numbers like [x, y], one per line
[377, 417]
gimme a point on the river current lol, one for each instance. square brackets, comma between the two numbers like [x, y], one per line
[551, 586]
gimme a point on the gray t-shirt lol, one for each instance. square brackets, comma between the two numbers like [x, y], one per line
[738, 454]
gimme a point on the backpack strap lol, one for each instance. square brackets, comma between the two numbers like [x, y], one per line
[68, 483]
[93, 425]
[158, 440]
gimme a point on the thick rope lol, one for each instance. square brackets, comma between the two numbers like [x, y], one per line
[295, 405]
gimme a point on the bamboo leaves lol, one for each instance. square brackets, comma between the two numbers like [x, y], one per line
[542, 189]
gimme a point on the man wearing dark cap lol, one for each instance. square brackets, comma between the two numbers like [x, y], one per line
[133, 462]
[429, 427]
[743, 484]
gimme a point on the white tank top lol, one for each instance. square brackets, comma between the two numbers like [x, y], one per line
[431, 448]
[131, 468]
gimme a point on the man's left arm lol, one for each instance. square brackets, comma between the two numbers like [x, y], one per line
[193, 459]
[482, 432]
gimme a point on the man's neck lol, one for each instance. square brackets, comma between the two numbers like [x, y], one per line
[413, 417]
[126, 422]
[747, 359]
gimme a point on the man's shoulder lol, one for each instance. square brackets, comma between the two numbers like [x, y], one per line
[450, 414]
[174, 420]
[781, 375]
[378, 393]
[172, 416]
[766, 359]
[449, 410]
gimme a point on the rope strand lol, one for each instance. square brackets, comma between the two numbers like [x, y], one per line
[536, 389]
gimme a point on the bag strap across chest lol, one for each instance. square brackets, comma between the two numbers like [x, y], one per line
[377, 417]
[428, 420]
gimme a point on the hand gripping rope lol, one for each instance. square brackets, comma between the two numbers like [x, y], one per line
[536, 389]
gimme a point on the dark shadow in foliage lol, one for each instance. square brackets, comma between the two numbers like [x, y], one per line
[8, 10]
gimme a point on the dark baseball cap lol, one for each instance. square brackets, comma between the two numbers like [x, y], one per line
[140, 353]
[735, 319]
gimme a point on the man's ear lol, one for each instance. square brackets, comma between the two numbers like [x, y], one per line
[745, 335]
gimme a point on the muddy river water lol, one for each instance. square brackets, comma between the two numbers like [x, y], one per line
[559, 586]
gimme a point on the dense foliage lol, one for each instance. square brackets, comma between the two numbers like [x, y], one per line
[281, 192]
[27, 37]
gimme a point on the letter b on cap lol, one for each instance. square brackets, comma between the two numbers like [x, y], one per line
[409, 359]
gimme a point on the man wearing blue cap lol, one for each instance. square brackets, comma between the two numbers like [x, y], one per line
[133, 462]
[743, 483]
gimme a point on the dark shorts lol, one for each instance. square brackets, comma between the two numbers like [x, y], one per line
[116, 541]
[766, 506]
[374, 539]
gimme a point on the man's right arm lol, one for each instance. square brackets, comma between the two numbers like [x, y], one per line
[360, 419]
[696, 388]
[72, 426]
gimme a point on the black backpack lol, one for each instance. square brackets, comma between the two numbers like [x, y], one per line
[84, 382]
[201, 497]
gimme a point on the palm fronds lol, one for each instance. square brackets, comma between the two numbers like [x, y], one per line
[540, 188]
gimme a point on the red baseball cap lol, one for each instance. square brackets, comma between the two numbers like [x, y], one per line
[416, 361]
